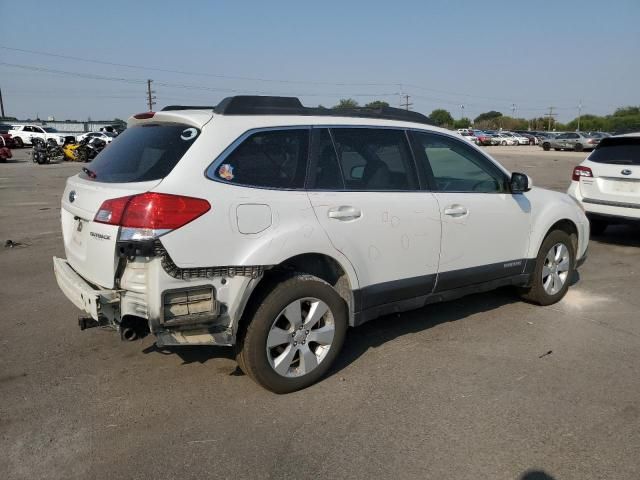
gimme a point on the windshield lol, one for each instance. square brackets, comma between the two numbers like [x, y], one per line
[618, 151]
[50, 130]
[142, 153]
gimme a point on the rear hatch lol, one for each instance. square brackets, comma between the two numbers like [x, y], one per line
[134, 163]
[615, 169]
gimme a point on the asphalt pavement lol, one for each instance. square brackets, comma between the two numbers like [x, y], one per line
[485, 387]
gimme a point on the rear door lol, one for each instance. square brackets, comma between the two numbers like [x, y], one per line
[615, 166]
[485, 228]
[135, 162]
[366, 195]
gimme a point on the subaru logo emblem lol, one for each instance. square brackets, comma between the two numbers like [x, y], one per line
[72, 196]
[626, 171]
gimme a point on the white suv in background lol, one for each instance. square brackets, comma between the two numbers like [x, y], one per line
[23, 135]
[607, 183]
[274, 227]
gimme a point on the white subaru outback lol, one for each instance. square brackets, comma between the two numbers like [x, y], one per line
[607, 183]
[274, 227]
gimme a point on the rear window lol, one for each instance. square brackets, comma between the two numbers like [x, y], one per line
[143, 153]
[617, 150]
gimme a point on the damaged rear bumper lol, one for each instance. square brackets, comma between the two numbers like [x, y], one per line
[98, 303]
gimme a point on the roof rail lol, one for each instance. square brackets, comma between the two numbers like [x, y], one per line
[170, 108]
[267, 105]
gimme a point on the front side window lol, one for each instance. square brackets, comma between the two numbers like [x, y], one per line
[268, 159]
[456, 167]
[375, 159]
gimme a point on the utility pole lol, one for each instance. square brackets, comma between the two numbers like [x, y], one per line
[513, 110]
[461, 111]
[550, 116]
[1, 104]
[579, 113]
[150, 96]
[406, 103]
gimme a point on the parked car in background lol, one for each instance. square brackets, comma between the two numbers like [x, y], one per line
[504, 139]
[5, 151]
[483, 138]
[106, 136]
[23, 134]
[607, 183]
[468, 135]
[520, 140]
[267, 225]
[529, 136]
[577, 141]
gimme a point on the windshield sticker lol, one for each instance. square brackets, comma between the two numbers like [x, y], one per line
[189, 134]
[226, 172]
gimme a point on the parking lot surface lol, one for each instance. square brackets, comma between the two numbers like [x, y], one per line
[485, 387]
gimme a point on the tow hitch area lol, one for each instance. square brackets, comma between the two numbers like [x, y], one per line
[85, 322]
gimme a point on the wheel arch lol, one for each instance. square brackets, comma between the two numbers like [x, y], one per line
[566, 225]
[340, 276]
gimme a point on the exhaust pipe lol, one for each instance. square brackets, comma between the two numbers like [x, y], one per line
[133, 328]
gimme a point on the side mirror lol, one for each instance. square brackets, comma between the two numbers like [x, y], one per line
[520, 183]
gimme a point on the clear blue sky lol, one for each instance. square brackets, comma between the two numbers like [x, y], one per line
[485, 55]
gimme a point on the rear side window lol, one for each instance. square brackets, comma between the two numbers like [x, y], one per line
[375, 159]
[618, 151]
[267, 159]
[142, 153]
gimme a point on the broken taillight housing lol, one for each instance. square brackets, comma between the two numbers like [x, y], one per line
[149, 215]
[580, 171]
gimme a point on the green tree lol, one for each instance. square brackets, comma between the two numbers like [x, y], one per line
[441, 117]
[377, 104]
[492, 115]
[346, 103]
[464, 122]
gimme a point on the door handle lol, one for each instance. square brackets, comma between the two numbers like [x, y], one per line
[344, 213]
[456, 211]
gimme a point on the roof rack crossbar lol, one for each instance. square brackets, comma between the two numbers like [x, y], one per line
[268, 105]
[170, 108]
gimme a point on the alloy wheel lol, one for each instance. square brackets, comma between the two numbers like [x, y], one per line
[555, 270]
[300, 337]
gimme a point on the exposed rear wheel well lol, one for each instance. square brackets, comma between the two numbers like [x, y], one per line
[318, 265]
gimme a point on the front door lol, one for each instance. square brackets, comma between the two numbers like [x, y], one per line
[365, 193]
[485, 228]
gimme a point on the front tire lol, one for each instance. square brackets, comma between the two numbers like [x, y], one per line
[555, 264]
[19, 142]
[295, 334]
[578, 147]
[546, 147]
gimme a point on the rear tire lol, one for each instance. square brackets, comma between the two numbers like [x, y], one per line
[546, 147]
[286, 347]
[19, 142]
[597, 226]
[555, 264]
[578, 147]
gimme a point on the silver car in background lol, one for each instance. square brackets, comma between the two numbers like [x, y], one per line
[577, 141]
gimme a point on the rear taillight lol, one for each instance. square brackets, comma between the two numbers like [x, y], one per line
[150, 214]
[592, 141]
[580, 171]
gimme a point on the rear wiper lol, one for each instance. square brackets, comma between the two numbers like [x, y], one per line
[90, 173]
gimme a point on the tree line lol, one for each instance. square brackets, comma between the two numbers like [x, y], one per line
[622, 119]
